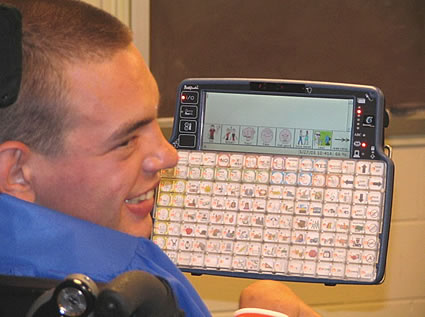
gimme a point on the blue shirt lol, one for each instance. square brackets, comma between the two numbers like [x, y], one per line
[39, 242]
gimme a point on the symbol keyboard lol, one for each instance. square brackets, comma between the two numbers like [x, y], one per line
[272, 214]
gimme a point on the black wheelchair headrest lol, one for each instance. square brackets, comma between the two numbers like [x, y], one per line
[10, 55]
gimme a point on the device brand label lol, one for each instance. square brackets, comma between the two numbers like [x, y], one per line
[189, 87]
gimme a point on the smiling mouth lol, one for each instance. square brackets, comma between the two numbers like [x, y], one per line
[141, 198]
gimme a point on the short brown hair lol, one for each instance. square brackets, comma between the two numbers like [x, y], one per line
[55, 34]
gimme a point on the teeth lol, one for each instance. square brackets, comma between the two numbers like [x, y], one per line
[140, 198]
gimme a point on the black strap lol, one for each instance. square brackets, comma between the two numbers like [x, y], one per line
[10, 55]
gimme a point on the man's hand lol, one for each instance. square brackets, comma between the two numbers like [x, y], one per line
[275, 296]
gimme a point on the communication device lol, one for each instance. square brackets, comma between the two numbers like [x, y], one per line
[277, 179]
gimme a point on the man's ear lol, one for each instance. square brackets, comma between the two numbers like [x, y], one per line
[15, 174]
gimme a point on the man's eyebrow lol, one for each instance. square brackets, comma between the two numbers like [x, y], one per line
[127, 128]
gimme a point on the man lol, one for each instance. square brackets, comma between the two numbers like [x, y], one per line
[82, 140]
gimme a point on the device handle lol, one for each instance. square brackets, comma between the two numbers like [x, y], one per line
[388, 150]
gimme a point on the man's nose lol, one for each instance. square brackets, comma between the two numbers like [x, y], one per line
[163, 155]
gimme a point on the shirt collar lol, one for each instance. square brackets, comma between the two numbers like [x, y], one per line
[38, 241]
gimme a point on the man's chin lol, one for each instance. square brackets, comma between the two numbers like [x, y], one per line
[138, 228]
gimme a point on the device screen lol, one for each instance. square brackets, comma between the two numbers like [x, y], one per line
[293, 125]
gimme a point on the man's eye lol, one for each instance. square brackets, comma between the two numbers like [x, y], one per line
[124, 144]
[127, 143]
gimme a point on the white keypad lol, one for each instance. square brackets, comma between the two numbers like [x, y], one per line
[272, 214]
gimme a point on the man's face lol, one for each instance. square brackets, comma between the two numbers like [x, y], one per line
[114, 151]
